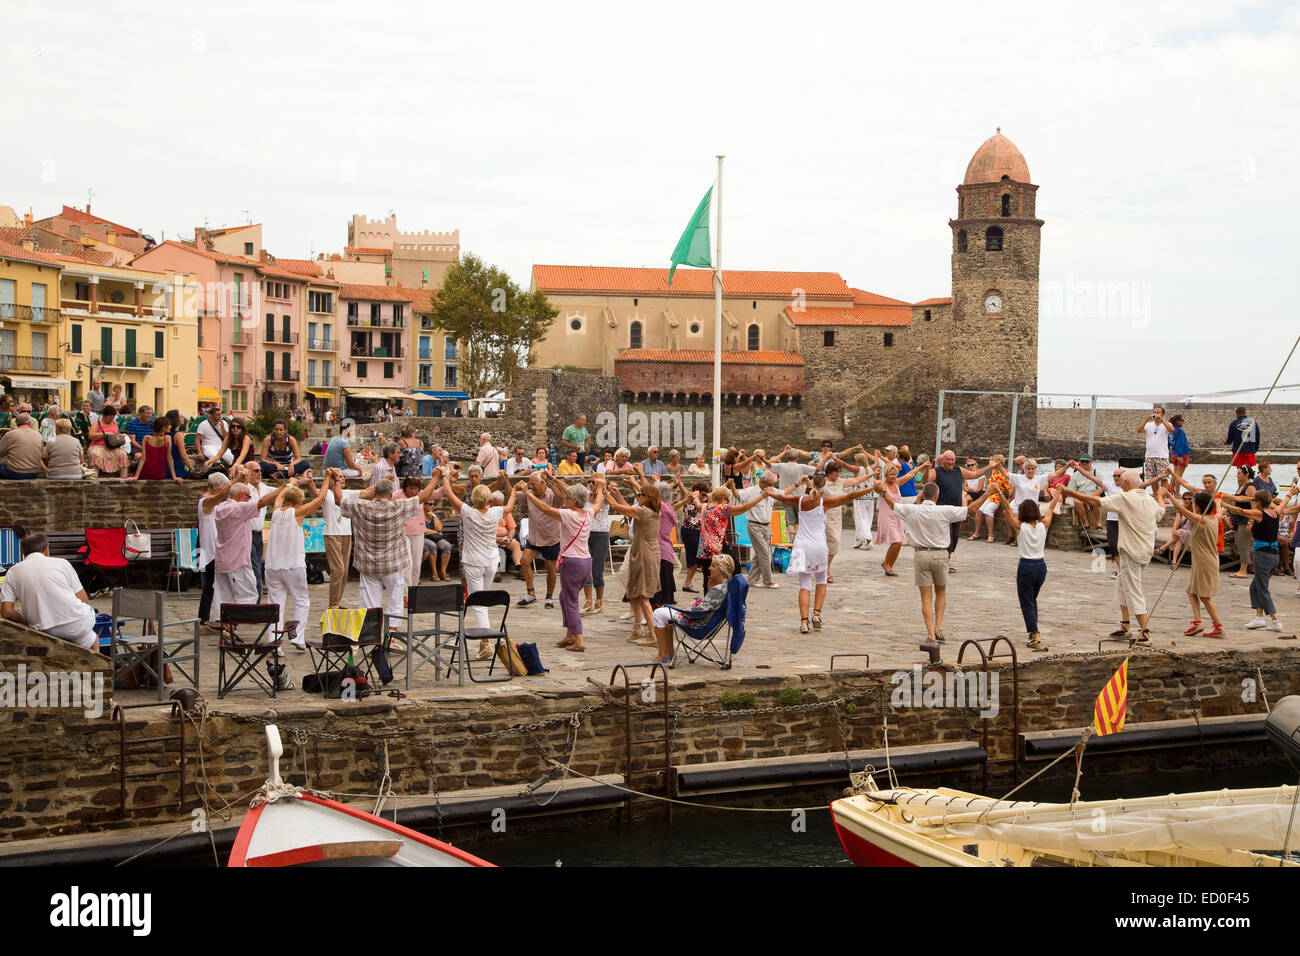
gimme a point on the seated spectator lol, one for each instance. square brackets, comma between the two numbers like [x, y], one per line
[570, 465]
[339, 456]
[518, 464]
[674, 462]
[436, 548]
[52, 599]
[211, 434]
[653, 466]
[506, 539]
[720, 571]
[115, 402]
[22, 453]
[157, 464]
[107, 451]
[7, 411]
[699, 467]
[64, 456]
[182, 463]
[236, 443]
[51, 415]
[280, 456]
[621, 463]
[541, 459]
[139, 428]
[82, 421]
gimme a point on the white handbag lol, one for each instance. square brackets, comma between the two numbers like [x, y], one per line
[798, 562]
[137, 546]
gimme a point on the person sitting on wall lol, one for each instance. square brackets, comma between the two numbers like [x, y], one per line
[22, 453]
[53, 600]
[280, 456]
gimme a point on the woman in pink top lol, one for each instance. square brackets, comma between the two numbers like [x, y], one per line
[413, 527]
[575, 558]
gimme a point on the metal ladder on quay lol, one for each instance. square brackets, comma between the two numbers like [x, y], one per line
[652, 690]
[142, 747]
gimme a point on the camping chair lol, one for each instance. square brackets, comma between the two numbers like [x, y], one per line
[701, 640]
[427, 645]
[152, 654]
[185, 556]
[249, 654]
[460, 660]
[104, 553]
[11, 550]
[335, 650]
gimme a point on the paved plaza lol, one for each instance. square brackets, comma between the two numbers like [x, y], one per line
[865, 612]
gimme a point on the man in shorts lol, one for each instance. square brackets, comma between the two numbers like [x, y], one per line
[1157, 432]
[543, 540]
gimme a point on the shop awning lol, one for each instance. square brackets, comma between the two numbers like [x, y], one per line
[442, 396]
[208, 394]
[24, 381]
[319, 392]
[389, 394]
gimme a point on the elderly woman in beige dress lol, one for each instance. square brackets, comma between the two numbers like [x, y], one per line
[642, 555]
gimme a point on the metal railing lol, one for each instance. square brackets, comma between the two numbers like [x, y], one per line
[322, 345]
[320, 381]
[367, 322]
[241, 378]
[281, 376]
[29, 363]
[241, 337]
[377, 351]
[284, 338]
[123, 359]
[29, 313]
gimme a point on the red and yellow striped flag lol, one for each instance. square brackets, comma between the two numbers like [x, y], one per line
[1108, 712]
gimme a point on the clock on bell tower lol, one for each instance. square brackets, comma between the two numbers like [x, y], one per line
[995, 246]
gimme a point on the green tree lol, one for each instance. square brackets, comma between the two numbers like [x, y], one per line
[494, 322]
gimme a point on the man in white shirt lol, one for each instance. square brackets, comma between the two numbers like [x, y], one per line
[211, 433]
[1157, 433]
[927, 523]
[52, 599]
[520, 463]
[760, 528]
[1138, 515]
[487, 457]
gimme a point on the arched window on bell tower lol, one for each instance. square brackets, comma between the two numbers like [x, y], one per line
[1006, 204]
[634, 335]
[993, 239]
[961, 240]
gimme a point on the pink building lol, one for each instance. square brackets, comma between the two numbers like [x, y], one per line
[374, 347]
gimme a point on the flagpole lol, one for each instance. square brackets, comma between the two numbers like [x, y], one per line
[717, 339]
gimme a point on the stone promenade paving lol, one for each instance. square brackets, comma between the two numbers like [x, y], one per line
[865, 612]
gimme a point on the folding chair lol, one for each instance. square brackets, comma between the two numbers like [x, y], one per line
[185, 556]
[460, 660]
[103, 552]
[248, 655]
[331, 654]
[11, 551]
[701, 640]
[426, 645]
[152, 651]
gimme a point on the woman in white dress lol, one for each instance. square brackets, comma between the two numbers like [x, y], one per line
[478, 545]
[864, 509]
[285, 563]
[808, 556]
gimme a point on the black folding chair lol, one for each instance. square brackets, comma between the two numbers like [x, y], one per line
[460, 660]
[426, 645]
[153, 652]
[249, 654]
[331, 654]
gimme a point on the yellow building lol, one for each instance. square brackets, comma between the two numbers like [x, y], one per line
[31, 353]
[131, 327]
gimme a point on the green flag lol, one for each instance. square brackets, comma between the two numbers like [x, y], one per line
[693, 247]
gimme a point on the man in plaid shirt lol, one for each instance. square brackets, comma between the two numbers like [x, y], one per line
[380, 552]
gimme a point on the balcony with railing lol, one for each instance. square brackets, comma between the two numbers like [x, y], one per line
[322, 380]
[274, 375]
[241, 378]
[386, 322]
[281, 337]
[29, 313]
[29, 363]
[322, 345]
[114, 310]
[242, 337]
[123, 359]
[376, 351]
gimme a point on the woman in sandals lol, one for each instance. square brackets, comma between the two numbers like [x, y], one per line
[575, 557]
[889, 526]
[478, 544]
[642, 553]
[1203, 588]
[808, 555]
[1031, 538]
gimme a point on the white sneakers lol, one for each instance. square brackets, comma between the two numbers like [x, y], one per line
[773, 585]
[1274, 625]
[1255, 623]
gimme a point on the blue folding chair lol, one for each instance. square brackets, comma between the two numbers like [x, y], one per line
[701, 640]
[185, 556]
[11, 551]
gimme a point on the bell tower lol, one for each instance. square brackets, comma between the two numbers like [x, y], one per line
[995, 246]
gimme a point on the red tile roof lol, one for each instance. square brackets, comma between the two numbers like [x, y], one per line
[706, 355]
[367, 251]
[863, 297]
[279, 272]
[92, 255]
[85, 219]
[10, 250]
[305, 267]
[944, 301]
[617, 280]
[897, 315]
[207, 254]
[378, 293]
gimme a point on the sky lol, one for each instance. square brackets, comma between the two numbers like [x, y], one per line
[1163, 137]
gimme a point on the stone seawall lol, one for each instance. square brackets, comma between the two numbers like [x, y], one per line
[1206, 425]
[59, 769]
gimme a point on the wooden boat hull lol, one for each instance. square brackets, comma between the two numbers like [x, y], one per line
[306, 830]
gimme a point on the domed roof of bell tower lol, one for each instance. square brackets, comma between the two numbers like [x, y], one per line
[995, 160]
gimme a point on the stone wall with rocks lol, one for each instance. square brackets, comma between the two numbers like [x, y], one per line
[58, 769]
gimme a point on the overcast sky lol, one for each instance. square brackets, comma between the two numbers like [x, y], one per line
[1163, 137]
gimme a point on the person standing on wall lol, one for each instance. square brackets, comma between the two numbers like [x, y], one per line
[1243, 438]
[576, 438]
[1157, 432]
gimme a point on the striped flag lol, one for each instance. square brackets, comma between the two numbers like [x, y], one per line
[1108, 712]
